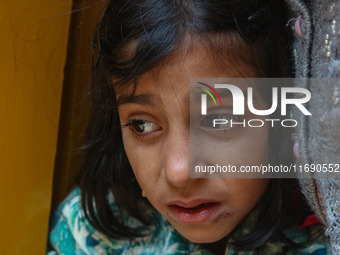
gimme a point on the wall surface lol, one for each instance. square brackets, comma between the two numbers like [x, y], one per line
[75, 107]
[33, 47]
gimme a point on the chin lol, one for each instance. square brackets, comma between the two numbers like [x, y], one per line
[202, 236]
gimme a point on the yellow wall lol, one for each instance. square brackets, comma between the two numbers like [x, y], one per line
[75, 107]
[33, 43]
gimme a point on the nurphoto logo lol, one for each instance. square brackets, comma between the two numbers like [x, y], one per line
[238, 104]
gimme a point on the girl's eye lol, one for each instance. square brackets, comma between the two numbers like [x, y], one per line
[219, 122]
[141, 127]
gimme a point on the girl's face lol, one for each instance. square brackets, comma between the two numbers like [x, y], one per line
[157, 144]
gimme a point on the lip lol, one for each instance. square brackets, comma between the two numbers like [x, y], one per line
[195, 211]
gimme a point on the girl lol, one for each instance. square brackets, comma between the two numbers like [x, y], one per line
[135, 194]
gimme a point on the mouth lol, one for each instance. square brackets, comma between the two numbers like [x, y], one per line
[194, 212]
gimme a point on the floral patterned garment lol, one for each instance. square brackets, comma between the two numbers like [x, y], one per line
[71, 233]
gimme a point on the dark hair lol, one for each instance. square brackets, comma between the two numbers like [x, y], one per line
[134, 36]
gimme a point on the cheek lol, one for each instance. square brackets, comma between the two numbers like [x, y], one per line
[245, 193]
[143, 159]
[247, 149]
[254, 145]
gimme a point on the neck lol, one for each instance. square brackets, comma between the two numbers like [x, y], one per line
[218, 247]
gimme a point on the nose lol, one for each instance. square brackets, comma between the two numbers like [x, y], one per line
[176, 162]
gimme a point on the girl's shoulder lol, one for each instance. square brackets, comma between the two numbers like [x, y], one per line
[71, 233]
[310, 240]
[311, 237]
[307, 239]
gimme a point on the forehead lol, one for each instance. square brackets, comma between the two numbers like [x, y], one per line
[174, 73]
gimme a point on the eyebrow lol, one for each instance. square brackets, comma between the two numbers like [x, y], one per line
[143, 99]
[223, 93]
[151, 100]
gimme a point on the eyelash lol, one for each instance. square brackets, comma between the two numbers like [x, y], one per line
[206, 121]
[134, 125]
